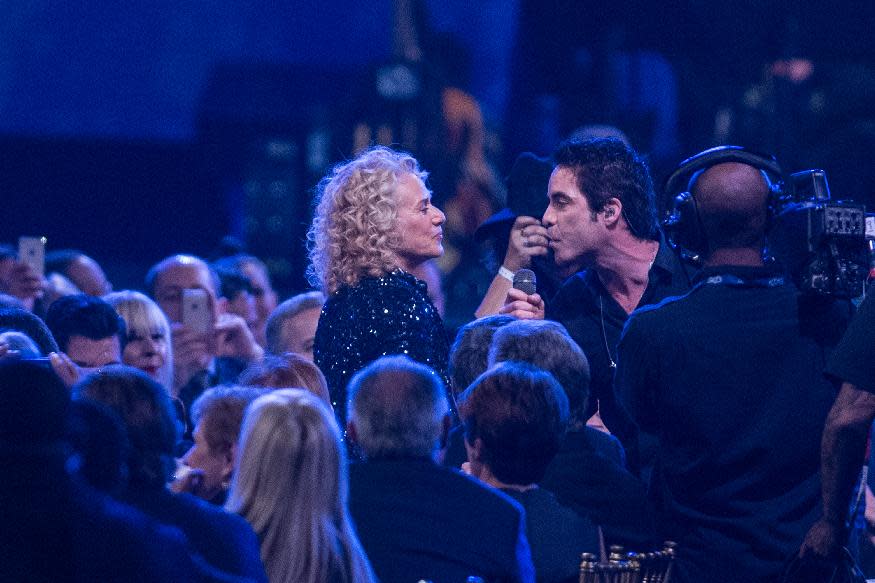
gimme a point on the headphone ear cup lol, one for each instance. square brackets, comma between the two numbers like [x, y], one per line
[688, 232]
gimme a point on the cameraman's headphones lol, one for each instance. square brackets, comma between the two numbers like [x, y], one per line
[683, 224]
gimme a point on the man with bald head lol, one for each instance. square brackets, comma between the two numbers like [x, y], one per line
[200, 359]
[729, 379]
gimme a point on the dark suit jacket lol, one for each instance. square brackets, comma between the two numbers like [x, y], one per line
[57, 529]
[224, 540]
[417, 520]
[589, 476]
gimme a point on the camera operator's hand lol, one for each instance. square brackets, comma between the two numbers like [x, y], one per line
[528, 238]
[523, 306]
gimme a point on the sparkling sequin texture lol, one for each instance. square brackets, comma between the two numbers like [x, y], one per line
[380, 316]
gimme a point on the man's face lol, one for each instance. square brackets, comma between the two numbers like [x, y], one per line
[264, 296]
[89, 353]
[177, 277]
[299, 331]
[575, 235]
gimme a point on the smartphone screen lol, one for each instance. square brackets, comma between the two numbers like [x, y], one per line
[32, 251]
[197, 312]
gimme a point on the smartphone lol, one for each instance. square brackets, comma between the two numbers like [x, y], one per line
[197, 312]
[32, 251]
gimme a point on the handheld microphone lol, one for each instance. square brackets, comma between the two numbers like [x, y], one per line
[525, 281]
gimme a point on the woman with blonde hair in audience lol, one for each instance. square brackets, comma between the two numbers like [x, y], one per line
[289, 371]
[290, 483]
[148, 346]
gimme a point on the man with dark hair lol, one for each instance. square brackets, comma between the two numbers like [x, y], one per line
[469, 354]
[515, 417]
[87, 329]
[415, 519]
[225, 541]
[589, 472]
[263, 294]
[83, 271]
[602, 215]
[54, 527]
[729, 379]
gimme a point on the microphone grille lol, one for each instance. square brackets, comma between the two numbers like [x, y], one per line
[525, 281]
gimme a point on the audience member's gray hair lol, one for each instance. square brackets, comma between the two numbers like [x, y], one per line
[286, 311]
[548, 346]
[398, 407]
[469, 356]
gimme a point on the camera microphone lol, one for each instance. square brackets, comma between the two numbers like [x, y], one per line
[525, 281]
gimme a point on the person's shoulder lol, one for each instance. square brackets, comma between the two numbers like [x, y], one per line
[603, 444]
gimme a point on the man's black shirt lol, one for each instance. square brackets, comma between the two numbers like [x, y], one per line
[730, 379]
[595, 320]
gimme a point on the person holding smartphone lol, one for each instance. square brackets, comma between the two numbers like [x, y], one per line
[210, 346]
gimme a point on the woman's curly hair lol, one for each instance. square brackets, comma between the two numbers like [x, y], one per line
[352, 234]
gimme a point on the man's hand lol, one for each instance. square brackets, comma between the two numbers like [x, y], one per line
[525, 307]
[528, 238]
[192, 352]
[235, 339]
[823, 541]
[66, 369]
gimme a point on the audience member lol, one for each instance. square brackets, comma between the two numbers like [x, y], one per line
[416, 519]
[54, 527]
[200, 360]
[263, 294]
[80, 269]
[291, 327]
[236, 293]
[224, 540]
[515, 418]
[729, 380]
[217, 414]
[148, 336]
[289, 371]
[469, 354]
[18, 279]
[290, 484]
[589, 472]
[98, 439]
[25, 322]
[88, 330]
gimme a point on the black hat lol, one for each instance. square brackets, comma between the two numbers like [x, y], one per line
[526, 194]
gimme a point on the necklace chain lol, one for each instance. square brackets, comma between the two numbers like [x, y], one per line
[604, 332]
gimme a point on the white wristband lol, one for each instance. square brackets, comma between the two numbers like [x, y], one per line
[505, 273]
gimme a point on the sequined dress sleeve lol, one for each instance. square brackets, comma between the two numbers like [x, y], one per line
[380, 316]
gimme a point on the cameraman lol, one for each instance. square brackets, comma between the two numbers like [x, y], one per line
[844, 437]
[729, 380]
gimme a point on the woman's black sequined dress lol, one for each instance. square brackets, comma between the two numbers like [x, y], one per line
[380, 316]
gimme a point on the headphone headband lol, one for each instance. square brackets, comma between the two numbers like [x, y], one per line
[677, 180]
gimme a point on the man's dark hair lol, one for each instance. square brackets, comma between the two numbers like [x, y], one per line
[59, 261]
[469, 354]
[84, 315]
[35, 329]
[520, 414]
[232, 281]
[607, 168]
[146, 412]
[548, 346]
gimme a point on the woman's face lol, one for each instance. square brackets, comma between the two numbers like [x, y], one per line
[216, 465]
[147, 352]
[420, 235]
